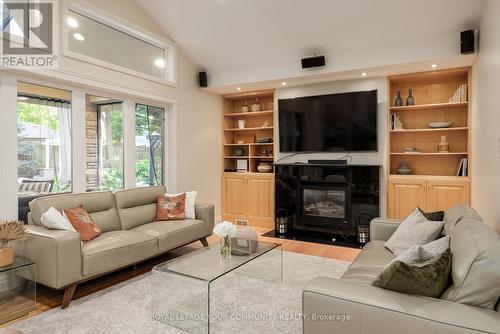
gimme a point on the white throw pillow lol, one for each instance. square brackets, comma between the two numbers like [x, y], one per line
[54, 220]
[419, 254]
[414, 230]
[189, 203]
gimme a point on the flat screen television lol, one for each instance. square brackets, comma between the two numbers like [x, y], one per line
[345, 122]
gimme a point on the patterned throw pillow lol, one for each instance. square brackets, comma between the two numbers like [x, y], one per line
[83, 223]
[171, 207]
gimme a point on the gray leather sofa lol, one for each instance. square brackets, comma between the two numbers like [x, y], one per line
[351, 305]
[130, 235]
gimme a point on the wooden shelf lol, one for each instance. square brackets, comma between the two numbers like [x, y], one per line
[461, 128]
[393, 176]
[250, 113]
[250, 144]
[431, 153]
[261, 157]
[237, 157]
[430, 106]
[250, 129]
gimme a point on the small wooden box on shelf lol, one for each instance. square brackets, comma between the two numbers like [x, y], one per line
[248, 135]
[434, 182]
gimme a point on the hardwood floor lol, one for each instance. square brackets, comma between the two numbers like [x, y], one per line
[48, 298]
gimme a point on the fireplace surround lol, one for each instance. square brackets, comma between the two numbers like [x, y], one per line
[322, 200]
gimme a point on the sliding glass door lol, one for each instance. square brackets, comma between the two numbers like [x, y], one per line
[149, 145]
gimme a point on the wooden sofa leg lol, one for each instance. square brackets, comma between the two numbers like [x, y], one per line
[204, 242]
[68, 295]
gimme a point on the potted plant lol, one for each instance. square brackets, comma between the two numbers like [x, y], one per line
[225, 231]
[10, 230]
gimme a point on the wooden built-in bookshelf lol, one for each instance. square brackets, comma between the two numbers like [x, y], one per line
[433, 182]
[248, 196]
[255, 129]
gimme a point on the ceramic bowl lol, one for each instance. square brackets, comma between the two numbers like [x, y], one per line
[437, 125]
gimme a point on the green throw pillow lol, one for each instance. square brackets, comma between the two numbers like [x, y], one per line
[429, 278]
[436, 216]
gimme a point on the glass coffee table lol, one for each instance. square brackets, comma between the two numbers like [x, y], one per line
[181, 288]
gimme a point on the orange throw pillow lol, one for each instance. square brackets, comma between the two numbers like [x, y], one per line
[171, 207]
[83, 223]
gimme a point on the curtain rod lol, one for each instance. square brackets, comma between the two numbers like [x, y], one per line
[44, 98]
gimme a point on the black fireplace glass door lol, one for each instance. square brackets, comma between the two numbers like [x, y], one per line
[324, 203]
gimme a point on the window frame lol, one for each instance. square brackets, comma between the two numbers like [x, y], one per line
[169, 47]
[164, 132]
[71, 115]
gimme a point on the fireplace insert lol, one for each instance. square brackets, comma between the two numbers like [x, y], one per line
[325, 204]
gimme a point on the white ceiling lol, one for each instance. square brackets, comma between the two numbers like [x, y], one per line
[220, 35]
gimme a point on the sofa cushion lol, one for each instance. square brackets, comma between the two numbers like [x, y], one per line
[173, 233]
[83, 223]
[100, 205]
[137, 206]
[171, 207]
[369, 263]
[427, 278]
[475, 264]
[116, 249]
[453, 215]
[414, 230]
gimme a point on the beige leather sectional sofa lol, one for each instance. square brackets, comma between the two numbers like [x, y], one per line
[375, 310]
[130, 235]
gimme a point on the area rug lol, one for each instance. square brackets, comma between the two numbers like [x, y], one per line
[126, 307]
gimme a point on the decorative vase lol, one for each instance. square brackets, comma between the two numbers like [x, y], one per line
[399, 100]
[443, 145]
[239, 152]
[264, 167]
[225, 245]
[245, 107]
[6, 254]
[241, 123]
[410, 101]
[256, 106]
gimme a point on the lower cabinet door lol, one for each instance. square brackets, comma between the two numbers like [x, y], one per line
[260, 200]
[442, 195]
[404, 195]
[234, 190]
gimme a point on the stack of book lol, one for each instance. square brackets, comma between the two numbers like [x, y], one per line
[462, 168]
[460, 95]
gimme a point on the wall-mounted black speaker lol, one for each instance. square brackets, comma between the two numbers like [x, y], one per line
[203, 79]
[467, 41]
[315, 61]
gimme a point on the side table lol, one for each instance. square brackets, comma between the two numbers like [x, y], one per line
[17, 289]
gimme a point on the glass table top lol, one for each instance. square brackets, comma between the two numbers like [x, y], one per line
[208, 264]
[19, 263]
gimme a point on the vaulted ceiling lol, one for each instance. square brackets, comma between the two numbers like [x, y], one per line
[229, 36]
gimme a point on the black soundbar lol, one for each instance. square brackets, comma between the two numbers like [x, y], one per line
[328, 162]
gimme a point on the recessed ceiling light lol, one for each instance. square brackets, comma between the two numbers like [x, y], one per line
[238, 88]
[72, 22]
[363, 74]
[160, 63]
[23, 98]
[283, 83]
[78, 37]
[434, 65]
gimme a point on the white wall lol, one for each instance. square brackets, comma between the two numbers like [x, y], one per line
[376, 158]
[486, 118]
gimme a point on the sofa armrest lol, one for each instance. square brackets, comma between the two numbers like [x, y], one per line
[363, 309]
[206, 213]
[57, 255]
[383, 228]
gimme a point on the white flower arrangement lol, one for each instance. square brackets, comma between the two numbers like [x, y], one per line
[225, 229]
